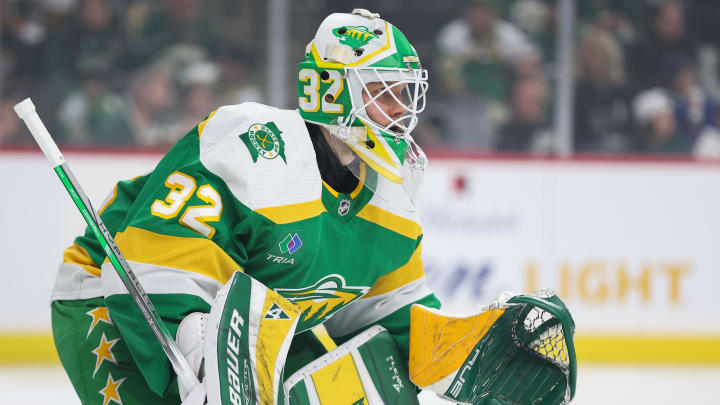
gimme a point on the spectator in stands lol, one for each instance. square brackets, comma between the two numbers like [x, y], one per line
[602, 111]
[622, 18]
[527, 129]
[238, 85]
[665, 40]
[93, 114]
[480, 52]
[23, 34]
[11, 131]
[536, 18]
[154, 28]
[479, 56]
[198, 97]
[694, 108]
[656, 127]
[151, 103]
[87, 42]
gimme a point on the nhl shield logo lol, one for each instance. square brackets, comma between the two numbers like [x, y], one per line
[264, 140]
[344, 207]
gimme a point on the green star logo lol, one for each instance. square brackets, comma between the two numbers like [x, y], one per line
[354, 37]
[264, 140]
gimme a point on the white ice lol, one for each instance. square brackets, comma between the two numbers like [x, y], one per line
[597, 385]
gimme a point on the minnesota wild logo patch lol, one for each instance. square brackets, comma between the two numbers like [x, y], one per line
[354, 37]
[264, 140]
[322, 299]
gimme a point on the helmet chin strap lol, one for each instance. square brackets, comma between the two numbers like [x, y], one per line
[345, 132]
[345, 156]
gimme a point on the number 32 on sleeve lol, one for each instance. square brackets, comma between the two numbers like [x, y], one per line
[195, 217]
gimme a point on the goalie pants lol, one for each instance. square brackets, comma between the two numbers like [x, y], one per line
[96, 358]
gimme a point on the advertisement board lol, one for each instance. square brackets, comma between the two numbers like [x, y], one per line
[632, 247]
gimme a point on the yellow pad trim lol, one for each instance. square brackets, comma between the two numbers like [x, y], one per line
[198, 255]
[272, 333]
[78, 256]
[390, 221]
[399, 277]
[339, 383]
[439, 344]
[201, 126]
[284, 214]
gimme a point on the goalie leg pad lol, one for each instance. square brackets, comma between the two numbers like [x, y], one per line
[367, 369]
[249, 332]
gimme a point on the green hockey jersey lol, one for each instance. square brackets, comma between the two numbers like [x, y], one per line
[242, 191]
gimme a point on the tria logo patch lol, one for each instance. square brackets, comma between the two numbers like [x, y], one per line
[275, 312]
[319, 301]
[290, 244]
[264, 140]
[354, 37]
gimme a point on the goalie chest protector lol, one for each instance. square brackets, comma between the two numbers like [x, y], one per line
[284, 226]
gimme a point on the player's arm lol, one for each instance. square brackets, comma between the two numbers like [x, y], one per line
[86, 255]
[181, 240]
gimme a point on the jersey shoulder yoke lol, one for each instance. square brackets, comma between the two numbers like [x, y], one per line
[264, 155]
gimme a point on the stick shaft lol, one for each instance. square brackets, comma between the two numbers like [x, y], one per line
[185, 375]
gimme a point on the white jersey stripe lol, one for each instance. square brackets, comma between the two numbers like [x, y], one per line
[368, 310]
[161, 280]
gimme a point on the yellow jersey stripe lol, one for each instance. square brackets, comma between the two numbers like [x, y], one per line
[359, 186]
[390, 221]
[324, 337]
[109, 201]
[201, 126]
[355, 192]
[198, 255]
[283, 214]
[330, 189]
[399, 277]
[78, 256]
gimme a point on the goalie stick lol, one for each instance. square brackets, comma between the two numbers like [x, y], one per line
[26, 111]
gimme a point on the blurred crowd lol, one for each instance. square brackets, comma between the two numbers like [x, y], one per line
[645, 81]
[119, 73]
[143, 72]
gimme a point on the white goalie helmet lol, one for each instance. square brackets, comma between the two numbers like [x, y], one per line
[362, 80]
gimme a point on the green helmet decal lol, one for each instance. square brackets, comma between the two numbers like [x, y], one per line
[354, 37]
